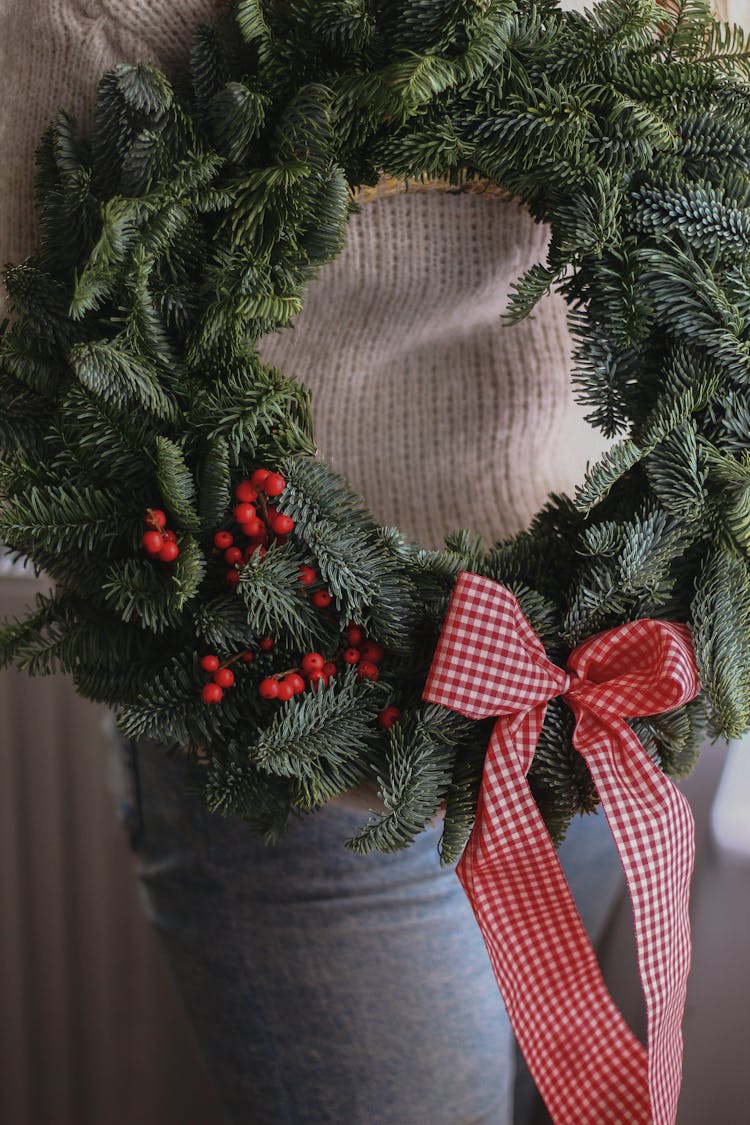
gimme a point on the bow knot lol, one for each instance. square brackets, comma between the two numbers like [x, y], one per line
[489, 661]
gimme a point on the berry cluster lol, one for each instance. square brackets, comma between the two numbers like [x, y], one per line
[257, 519]
[222, 677]
[321, 599]
[313, 669]
[159, 541]
[362, 652]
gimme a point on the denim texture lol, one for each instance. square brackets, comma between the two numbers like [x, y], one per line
[323, 986]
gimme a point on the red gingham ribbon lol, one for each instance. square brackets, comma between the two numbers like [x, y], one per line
[587, 1064]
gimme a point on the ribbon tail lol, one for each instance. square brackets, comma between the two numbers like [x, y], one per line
[587, 1064]
[653, 829]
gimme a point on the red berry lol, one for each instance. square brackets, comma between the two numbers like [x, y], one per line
[354, 634]
[274, 484]
[211, 693]
[156, 517]
[269, 688]
[169, 552]
[253, 528]
[352, 655]
[169, 535]
[311, 662]
[282, 524]
[321, 599]
[254, 548]
[259, 477]
[388, 717]
[372, 651]
[295, 681]
[209, 663]
[248, 657]
[286, 691]
[224, 677]
[223, 539]
[232, 577]
[243, 513]
[245, 492]
[152, 542]
[317, 677]
[233, 555]
[367, 671]
[307, 575]
[266, 644]
[329, 668]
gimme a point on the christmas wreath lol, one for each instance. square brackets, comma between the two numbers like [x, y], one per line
[222, 588]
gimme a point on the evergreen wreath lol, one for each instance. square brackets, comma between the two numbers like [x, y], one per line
[225, 591]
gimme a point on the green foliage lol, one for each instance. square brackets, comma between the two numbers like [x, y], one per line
[236, 114]
[139, 589]
[721, 637]
[321, 740]
[59, 519]
[275, 601]
[188, 226]
[417, 774]
[176, 484]
[674, 739]
[110, 371]
[462, 795]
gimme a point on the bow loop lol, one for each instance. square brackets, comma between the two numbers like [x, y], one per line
[489, 661]
[642, 667]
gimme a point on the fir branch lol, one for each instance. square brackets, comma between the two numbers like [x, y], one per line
[176, 484]
[419, 765]
[224, 624]
[675, 475]
[214, 484]
[611, 467]
[729, 482]
[112, 373]
[275, 602]
[253, 27]
[721, 638]
[236, 114]
[106, 264]
[232, 787]
[168, 709]
[528, 290]
[247, 404]
[699, 213]
[319, 738]
[57, 519]
[151, 593]
[462, 795]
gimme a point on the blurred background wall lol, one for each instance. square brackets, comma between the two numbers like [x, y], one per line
[91, 1031]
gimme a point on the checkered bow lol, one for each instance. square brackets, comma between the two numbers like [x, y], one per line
[587, 1064]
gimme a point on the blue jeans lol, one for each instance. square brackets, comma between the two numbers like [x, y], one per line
[323, 986]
